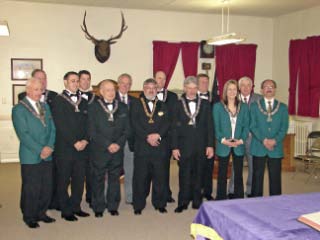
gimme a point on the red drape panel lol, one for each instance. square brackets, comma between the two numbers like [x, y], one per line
[235, 61]
[304, 70]
[314, 86]
[165, 57]
[294, 57]
[189, 51]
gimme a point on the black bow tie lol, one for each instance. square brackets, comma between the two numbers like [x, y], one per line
[85, 93]
[193, 100]
[73, 95]
[161, 92]
[44, 93]
[204, 94]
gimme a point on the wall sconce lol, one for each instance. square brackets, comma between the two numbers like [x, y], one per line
[4, 29]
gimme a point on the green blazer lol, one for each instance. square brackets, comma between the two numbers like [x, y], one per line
[261, 129]
[32, 133]
[222, 127]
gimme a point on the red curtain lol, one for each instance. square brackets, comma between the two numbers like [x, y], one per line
[304, 69]
[235, 61]
[189, 51]
[294, 57]
[165, 57]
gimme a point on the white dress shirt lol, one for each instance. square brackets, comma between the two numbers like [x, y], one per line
[123, 97]
[160, 95]
[267, 104]
[110, 106]
[33, 104]
[247, 97]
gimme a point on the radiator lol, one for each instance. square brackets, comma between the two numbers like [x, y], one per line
[301, 130]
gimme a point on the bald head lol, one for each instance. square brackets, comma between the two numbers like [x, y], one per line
[107, 89]
[160, 78]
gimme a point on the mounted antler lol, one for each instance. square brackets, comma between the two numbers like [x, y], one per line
[102, 47]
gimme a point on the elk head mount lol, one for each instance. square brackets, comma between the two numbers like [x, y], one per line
[102, 47]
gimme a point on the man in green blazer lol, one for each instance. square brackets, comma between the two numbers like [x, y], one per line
[36, 131]
[269, 125]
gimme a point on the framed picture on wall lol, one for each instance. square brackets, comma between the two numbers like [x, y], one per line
[16, 90]
[21, 68]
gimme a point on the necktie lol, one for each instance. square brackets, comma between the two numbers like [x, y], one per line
[245, 100]
[123, 99]
[39, 108]
[269, 107]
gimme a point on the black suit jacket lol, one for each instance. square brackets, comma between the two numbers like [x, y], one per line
[49, 99]
[130, 138]
[103, 132]
[142, 128]
[71, 126]
[188, 138]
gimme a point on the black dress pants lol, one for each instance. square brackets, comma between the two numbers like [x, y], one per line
[207, 177]
[191, 178]
[146, 170]
[70, 172]
[102, 163]
[36, 190]
[222, 176]
[274, 170]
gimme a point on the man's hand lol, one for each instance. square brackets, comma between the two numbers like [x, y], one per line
[209, 152]
[269, 143]
[84, 144]
[78, 145]
[153, 139]
[238, 142]
[113, 148]
[46, 152]
[229, 143]
[176, 154]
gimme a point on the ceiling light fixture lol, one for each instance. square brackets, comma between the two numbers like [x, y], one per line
[226, 37]
[4, 29]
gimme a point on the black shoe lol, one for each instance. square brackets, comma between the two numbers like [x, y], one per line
[181, 208]
[137, 212]
[114, 212]
[231, 196]
[249, 195]
[81, 214]
[208, 197]
[162, 210]
[98, 214]
[194, 206]
[70, 218]
[47, 219]
[171, 200]
[32, 224]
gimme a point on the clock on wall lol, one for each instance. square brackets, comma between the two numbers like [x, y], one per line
[206, 50]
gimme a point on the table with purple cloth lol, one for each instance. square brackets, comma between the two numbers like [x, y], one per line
[263, 218]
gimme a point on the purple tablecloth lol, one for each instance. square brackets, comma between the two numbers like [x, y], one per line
[265, 218]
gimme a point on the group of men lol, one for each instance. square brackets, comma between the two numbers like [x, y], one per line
[91, 139]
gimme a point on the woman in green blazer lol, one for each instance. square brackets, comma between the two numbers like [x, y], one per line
[231, 123]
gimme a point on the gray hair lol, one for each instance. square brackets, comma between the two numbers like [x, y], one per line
[149, 81]
[127, 75]
[32, 81]
[190, 79]
[245, 78]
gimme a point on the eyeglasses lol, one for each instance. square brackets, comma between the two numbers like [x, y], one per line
[268, 87]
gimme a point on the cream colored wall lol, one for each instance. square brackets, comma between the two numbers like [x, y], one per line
[52, 32]
[297, 25]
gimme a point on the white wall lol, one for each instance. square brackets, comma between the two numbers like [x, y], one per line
[298, 25]
[52, 32]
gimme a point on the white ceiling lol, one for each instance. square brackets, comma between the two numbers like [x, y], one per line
[264, 8]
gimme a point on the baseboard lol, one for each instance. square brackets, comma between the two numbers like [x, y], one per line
[9, 160]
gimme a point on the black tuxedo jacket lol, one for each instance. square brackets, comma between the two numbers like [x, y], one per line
[142, 128]
[131, 99]
[103, 132]
[71, 126]
[50, 97]
[171, 101]
[190, 138]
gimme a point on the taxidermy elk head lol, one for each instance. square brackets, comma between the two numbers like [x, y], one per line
[102, 47]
